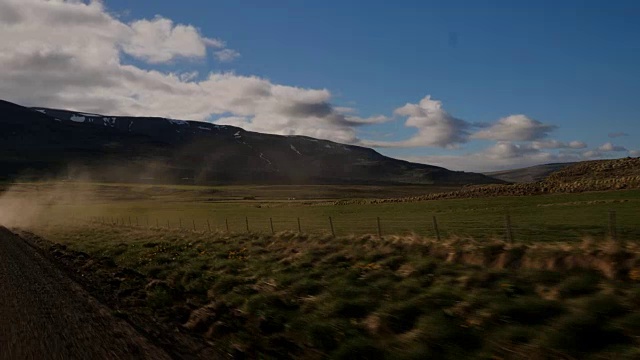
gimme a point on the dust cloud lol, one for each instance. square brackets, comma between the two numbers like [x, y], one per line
[32, 204]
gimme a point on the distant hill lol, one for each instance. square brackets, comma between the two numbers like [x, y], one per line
[528, 174]
[597, 175]
[37, 142]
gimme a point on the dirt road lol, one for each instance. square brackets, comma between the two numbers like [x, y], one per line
[45, 315]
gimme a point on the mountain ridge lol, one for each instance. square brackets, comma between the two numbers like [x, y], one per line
[45, 141]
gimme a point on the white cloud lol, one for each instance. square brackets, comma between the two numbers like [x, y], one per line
[515, 128]
[159, 41]
[68, 54]
[509, 150]
[609, 147]
[435, 127]
[577, 145]
[227, 55]
[555, 144]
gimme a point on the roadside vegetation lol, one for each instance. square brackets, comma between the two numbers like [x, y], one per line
[402, 297]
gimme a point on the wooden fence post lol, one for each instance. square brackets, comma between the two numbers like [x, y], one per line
[435, 227]
[246, 221]
[333, 232]
[180, 223]
[613, 233]
[194, 224]
[226, 222]
[379, 228]
[209, 225]
[299, 227]
[129, 221]
[507, 223]
[271, 223]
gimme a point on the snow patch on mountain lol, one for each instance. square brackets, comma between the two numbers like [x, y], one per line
[77, 118]
[177, 122]
[294, 149]
[264, 158]
[111, 122]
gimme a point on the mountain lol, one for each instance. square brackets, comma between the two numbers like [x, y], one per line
[528, 174]
[37, 142]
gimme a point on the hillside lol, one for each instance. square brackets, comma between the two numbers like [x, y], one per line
[528, 174]
[48, 142]
[597, 175]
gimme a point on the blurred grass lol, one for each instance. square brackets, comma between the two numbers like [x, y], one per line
[313, 296]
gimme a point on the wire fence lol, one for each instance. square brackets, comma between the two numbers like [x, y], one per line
[506, 228]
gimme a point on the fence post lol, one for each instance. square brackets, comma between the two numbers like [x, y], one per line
[194, 224]
[435, 227]
[299, 227]
[507, 223]
[129, 221]
[379, 228]
[271, 223]
[333, 232]
[246, 221]
[209, 225]
[613, 234]
[180, 223]
[226, 222]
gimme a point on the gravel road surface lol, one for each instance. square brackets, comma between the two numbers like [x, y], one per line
[45, 315]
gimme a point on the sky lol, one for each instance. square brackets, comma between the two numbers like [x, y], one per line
[468, 85]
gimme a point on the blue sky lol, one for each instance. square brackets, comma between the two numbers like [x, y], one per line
[566, 70]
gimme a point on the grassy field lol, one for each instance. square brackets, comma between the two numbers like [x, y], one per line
[359, 297]
[560, 291]
[563, 217]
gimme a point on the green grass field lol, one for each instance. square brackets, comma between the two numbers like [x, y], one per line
[562, 217]
[561, 291]
[313, 297]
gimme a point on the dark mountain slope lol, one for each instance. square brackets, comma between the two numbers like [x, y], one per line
[40, 142]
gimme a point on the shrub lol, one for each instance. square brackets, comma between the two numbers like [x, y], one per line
[446, 336]
[323, 336]
[359, 348]
[579, 285]
[402, 317]
[528, 310]
[581, 333]
[354, 308]
[159, 297]
[604, 306]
